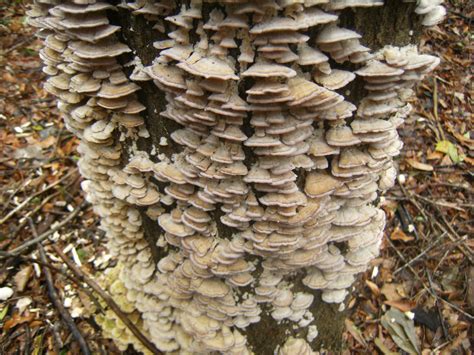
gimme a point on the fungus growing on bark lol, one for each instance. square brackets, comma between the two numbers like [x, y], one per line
[272, 172]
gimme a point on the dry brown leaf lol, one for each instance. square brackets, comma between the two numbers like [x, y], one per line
[48, 142]
[419, 166]
[398, 234]
[434, 155]
[22, 277]
[390, 291]
[382, 347]
[355, 332]
[373, 287]
[403, 306]
[446, 161]
[17, 319]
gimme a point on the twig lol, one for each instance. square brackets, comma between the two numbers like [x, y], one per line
[56, 145]
[445, 255]
[13, 194]
[457, 186]
[28, 199]
[24, 219]
[445, 203]
[57, 341]
[421, 254]
[17, 45]
[461, 15]
[452, 236]
[53, 295]
[427, 289]
[108, 299]
[435, 110]
[54, 269]
[46, 234]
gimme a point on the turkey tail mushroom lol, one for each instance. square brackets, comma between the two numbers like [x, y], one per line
[271, 171]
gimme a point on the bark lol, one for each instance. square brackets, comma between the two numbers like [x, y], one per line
[394, 23]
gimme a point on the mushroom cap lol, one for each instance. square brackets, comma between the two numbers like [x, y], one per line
[335, 80]
[266, 70]
[275, 24]
[167, 75]
[208, 67]
[342, 4]
[375, 68]
[318, 184]
[169, 225]
[80, 9]
[101, 49]
[341, 136]
[333, 33]
[313, 17]
[295, 346]
[110, 91]
[310, 56]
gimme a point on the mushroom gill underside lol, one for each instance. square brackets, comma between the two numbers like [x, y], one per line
[272, 172]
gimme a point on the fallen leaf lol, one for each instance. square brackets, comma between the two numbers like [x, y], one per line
[398, 234]
[38, 345]
[22, 277]
[29, 152]
[382, 347]
[402, 330]
[3, 312]
[419, 166]
[48, 142]
[390, 291]
[446, 161]
[403, 306]
[17, 319]
[434, 155]
[355, 332]
[450, 149]
[35, 324]
[373, 287]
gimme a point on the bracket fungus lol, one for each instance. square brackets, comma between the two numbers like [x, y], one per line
[273, 171]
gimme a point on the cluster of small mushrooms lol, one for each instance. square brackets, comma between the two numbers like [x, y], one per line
[274, 173]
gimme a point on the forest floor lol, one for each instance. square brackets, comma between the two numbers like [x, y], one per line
[417, 297]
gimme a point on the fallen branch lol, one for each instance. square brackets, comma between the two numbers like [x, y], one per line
[427, 289]
[24, 219]
[56, 270]
[28, 199]
[453, 205]
[23, 42]
[424, 252]
[46, 234]
[452, 235]
[53, 295]
[108, 300]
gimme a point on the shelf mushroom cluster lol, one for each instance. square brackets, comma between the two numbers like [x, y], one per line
[431, 10]
[98, 101]
[112, 326]
[275, 171]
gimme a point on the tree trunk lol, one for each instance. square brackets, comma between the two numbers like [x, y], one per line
[131, 161]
